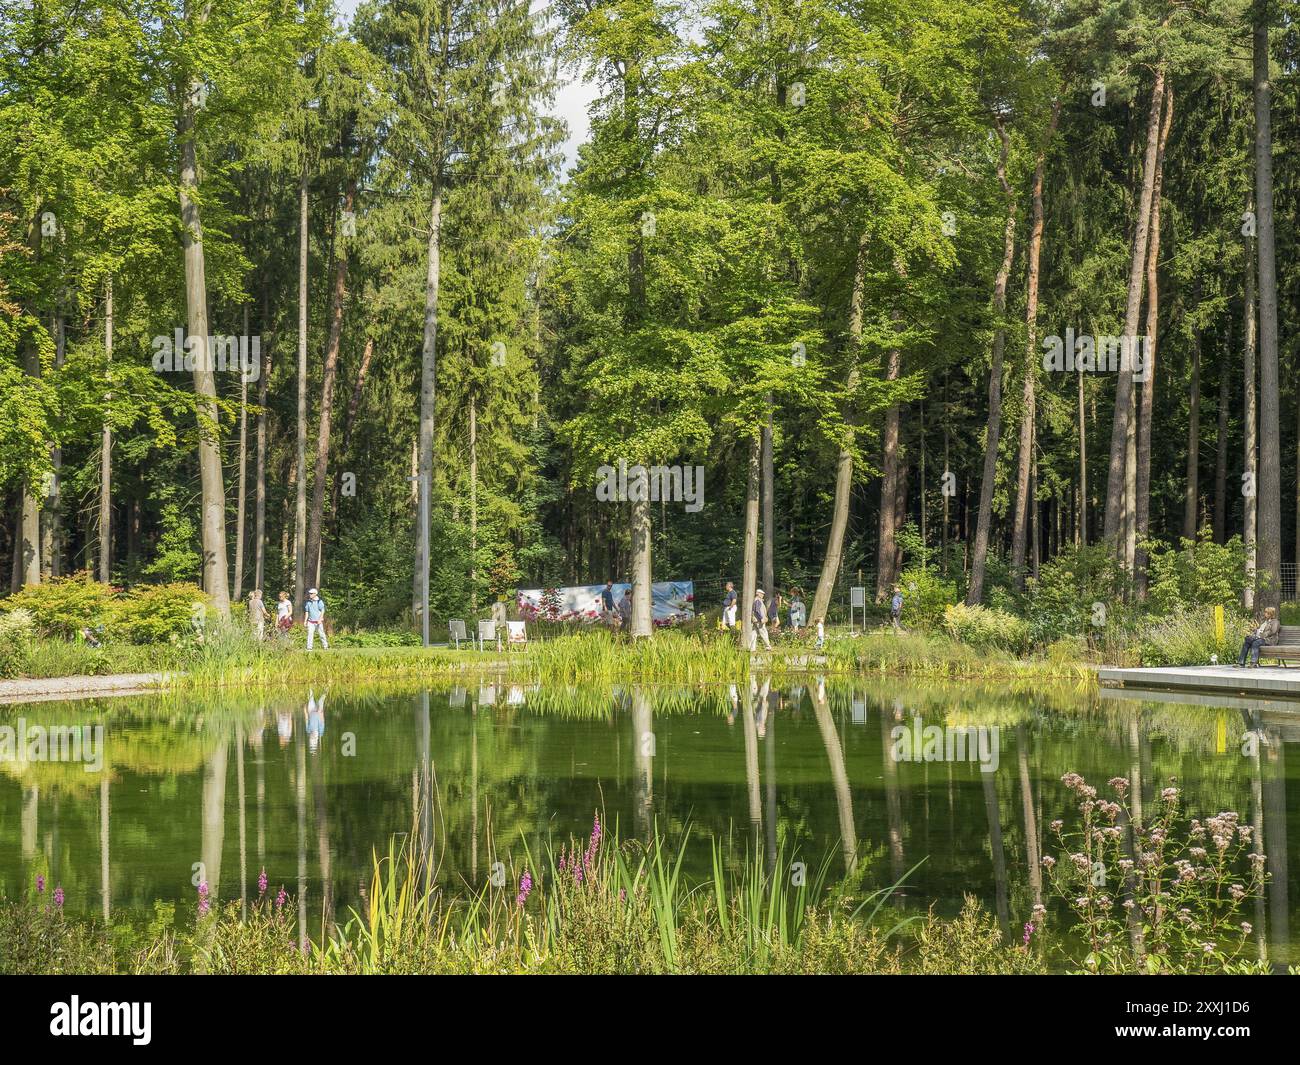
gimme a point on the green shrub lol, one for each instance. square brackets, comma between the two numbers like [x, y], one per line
[377, 638]
[17, 631]
[986, 628]
[926, 595]
[1063, 597]
[63, 606]
[1198, 573]
[157, 613]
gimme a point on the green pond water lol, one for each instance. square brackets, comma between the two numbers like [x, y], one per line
[225, 785]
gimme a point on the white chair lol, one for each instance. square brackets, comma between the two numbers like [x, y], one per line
[487, 632]
[517, 635]
[456, 631]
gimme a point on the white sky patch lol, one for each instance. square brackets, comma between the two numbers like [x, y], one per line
[572, 99]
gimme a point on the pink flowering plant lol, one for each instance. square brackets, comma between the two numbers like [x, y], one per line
[1155, 892]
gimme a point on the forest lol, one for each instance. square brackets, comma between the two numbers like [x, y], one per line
[296, 297]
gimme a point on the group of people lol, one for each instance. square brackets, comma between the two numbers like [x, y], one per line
[771, 615]
[618, 612]
[313, 616]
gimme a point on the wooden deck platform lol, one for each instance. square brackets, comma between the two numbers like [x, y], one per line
[1266, 682]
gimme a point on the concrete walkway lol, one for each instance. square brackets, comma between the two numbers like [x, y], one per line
[47, 688]
[1262, 681]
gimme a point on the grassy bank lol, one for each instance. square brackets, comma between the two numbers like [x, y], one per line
[229, 657]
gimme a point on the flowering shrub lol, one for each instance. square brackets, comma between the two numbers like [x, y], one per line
[1150, 896]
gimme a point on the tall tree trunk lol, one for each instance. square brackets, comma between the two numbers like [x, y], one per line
[1221, 448]
[993, 430]
[642, 623]
[300, 499]
[354, 404]
[106, 453]
[338, 295]
[1112, 526]
[51, 525]
[769, 507]
[1192, 498]
[1027, 412]
[27, 542]
[216, 581]
[259, 530]
[749, 574]
[1250, 433]
[1270, 445]
[241, 491]
[844, 464]
[428, 368]
[1081, 524]
[473, 503]
[887, 540]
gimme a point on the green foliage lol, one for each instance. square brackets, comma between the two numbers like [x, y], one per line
[986, 627]
[926, 595]
[599, 905]
[1187, 638]
[177, 558]
[63, 606]
[158, 613]
[1063, 600]
[17, 632]
[1198, 573]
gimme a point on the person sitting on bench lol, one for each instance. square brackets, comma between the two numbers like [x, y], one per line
[1264, 636]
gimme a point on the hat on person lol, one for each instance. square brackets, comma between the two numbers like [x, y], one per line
[761, 592]
[311, 591]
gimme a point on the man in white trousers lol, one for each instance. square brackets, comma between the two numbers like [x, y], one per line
[314, 609]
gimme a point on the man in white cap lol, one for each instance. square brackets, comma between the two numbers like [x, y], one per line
[314, 609]
[759, 628]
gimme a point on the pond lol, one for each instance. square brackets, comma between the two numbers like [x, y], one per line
[862, 774]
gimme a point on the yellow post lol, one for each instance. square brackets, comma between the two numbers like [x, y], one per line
[1218, 623]
[1221, 733]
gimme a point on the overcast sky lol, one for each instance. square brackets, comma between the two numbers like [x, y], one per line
[571, 102]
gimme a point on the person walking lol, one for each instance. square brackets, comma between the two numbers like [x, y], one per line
[625, 609]
[821, 634]
[314, 611]
[257, 613]
[1265, 636]
[607, 603]
[896, 609]
[758, 612]
[774, 612]
[729, 599]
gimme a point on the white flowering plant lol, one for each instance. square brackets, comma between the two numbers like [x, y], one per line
[1153, 892]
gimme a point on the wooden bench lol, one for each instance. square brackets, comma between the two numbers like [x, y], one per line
[1287, 647]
